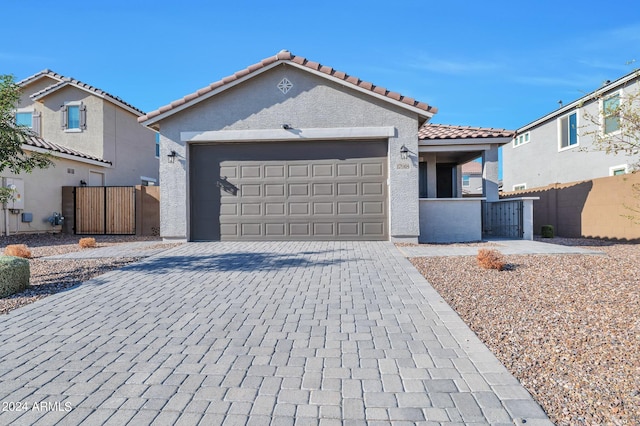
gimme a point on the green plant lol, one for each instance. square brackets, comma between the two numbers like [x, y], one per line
[14, 275]
[547, 231]
[490, 259]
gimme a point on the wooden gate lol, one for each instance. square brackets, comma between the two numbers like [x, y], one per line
[105, 210]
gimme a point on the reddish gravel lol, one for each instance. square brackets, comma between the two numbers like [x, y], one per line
[567, 326]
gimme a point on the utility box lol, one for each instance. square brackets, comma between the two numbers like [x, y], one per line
[18, 195]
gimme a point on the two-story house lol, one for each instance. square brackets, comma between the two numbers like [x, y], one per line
[559, 147]
[96, 141]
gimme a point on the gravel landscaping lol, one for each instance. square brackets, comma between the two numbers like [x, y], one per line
[567, 326]
[52, 276]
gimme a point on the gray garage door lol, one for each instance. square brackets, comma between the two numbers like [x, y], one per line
[325, 190]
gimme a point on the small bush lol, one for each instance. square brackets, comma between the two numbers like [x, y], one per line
[547, 231]
[490, 259]
[14, 275]
[87, 242]
[18, 250]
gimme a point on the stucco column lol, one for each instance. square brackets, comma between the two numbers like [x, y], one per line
[490, 174]
[432, 178]
[458, 181]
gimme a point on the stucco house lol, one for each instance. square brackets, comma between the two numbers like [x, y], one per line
[96, 141]
[559, 147]
[472, 178]
[289, 148]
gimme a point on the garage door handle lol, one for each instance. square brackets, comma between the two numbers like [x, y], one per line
[227, 186]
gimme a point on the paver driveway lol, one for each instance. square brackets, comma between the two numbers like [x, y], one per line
[257, 333]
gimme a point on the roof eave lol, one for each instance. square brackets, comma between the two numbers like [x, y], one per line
[114, 101]
[611, 86]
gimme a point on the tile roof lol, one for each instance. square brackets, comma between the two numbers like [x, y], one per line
[285, 56]
[38, 142]
[64, 81]
[442, 131]
[472, 167]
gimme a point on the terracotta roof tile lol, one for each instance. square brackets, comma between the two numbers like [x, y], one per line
[472, 167]
[288, 56]
[442, 131]
[64, 81]
[38, 142]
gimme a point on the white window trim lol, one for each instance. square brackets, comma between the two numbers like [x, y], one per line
[523, 185]
[624, 167]
[620, 94]
[515, 145]
[559, 125]
[26, 110]
[68, 104]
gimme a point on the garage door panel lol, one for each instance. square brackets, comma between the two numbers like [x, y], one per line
[289, 191]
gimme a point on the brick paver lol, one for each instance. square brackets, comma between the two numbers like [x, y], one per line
[254, 333]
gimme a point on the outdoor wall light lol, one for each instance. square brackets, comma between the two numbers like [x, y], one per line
[172, 156]
[286, 126]
[404, 152]
[83, 183]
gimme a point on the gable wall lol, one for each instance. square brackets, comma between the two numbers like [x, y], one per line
[313, 102]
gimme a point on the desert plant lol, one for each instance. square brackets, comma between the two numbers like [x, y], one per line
[14, 275]
[87, 242]
[17, 250]
[546, 231]
[490, 259]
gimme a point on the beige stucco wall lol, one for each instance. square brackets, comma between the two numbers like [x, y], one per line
[43, 194]
[112, 133]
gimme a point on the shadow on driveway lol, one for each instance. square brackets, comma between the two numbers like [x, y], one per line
[233, 261]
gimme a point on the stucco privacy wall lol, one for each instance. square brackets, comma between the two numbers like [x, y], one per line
[312, 102]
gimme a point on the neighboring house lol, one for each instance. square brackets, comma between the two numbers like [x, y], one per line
[292, 149]
[472, 178]
[94, 136]
[558, 147]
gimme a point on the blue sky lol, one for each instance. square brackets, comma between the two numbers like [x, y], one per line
[490, 64]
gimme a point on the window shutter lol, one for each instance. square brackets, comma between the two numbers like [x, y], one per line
[83, 117]
[63, 115]
[35, 123]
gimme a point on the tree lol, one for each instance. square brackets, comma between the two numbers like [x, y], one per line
[617, 123]
[12, 136]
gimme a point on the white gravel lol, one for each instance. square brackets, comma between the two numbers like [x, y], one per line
[566, 326]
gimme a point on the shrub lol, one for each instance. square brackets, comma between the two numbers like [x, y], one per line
[547, 231]
[87, 242]
[490, 259]
[14, 275]
[17, 250]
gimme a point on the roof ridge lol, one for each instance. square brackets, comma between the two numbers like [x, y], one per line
[285, 55]
[64, 80]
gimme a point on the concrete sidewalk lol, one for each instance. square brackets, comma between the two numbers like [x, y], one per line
[504, 246]
[254, 333]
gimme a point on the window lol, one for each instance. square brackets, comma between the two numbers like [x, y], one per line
[465, 180]
[74, 117]
[622, 169]
[569, 130]
[24, 119]
[157, 145]
[520, 187]
[611, 114]
[521, 139]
